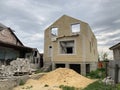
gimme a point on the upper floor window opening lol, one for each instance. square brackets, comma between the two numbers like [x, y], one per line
[75, 28]
[54, 31]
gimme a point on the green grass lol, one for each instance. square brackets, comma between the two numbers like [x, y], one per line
[63, 87]
[27, 87]
[98, 85]
[21, 82]
[97, 74]
[38, 71]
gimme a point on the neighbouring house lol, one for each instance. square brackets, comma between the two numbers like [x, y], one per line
[70, 43]
[116, 51]
[12, 48]
[114, 65]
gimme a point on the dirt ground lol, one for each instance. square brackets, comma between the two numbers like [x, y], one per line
[53, 79]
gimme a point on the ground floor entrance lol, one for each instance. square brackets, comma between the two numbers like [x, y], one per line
[75, 67]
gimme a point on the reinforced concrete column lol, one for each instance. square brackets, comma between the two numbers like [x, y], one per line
[67, 65]
[53, 66]
[83, 69]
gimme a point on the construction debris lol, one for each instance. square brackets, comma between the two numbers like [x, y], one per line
[19, 66]
[108, 81]
[53, 79]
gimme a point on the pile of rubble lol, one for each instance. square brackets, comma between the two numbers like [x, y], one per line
[19, 66]
[56, 78]
[108, 81]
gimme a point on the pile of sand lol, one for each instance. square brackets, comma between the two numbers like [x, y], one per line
[53, 79]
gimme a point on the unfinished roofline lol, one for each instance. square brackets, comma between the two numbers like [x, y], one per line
[65, 16]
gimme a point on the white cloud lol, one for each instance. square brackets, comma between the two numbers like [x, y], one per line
[104, 38]
[36, 37]
[117, 21]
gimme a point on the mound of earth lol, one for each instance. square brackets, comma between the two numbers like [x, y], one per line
[53, 79]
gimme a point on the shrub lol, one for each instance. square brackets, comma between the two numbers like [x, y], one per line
[21, 82]
[99, 73]
[37, 71]
[98, 85]
[68, 88]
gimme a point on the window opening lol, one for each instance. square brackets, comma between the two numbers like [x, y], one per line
[69, 50]
[60, 65]
[76, 67]
[54, 31]
[75, 28]
[87, 68]
[67, 47]
[35, 54]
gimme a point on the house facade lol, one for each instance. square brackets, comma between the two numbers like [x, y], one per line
[114, 65]
[70, 43]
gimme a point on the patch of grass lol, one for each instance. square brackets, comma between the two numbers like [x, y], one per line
[27, 87]
[38, 71]
[68, 88]
[21, 82]
[98, 85]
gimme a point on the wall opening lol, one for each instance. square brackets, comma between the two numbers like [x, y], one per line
[75, 28]
[35, 54]
[59, 65]
[37, 60]
[67, 47]
[87, 68]
[76, 67]
[41, 60]
[69, 50]
[54, 31]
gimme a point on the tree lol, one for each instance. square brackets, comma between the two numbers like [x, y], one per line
[104, 56]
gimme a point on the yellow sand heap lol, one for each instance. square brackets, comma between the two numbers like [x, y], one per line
[53, 79]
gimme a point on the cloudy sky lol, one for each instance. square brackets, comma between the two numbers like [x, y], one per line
[29, 18]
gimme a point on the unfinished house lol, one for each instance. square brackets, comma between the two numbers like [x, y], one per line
[12, 48]
[70, 43]
[114, 65]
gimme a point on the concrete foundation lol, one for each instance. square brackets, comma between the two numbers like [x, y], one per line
[83, 70]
